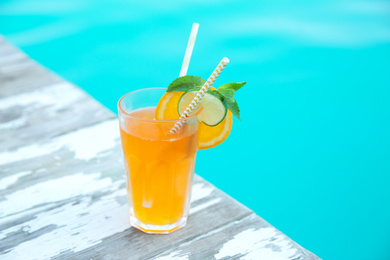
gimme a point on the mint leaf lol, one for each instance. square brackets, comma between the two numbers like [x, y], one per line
[233, 106]
[215, 93]
[227, 92]
[185, 83]
[232, 86]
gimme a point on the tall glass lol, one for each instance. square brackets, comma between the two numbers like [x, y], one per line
[159, 165]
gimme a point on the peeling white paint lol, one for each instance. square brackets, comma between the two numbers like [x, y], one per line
[252, 244]
[204, 205]
[78, 226]
[13, 123]
[52, 191]
[86, 143]
[56, 96]
[41, 170]
[8, 181]
[173, 256]
[15, 67]
[200, 191]
[11, 57]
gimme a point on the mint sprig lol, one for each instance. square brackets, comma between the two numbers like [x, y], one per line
[225, 92]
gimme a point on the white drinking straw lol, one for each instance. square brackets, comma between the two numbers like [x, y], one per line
[200, 94]
[190, 47]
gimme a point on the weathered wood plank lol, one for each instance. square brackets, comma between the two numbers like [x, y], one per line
[62, 185]
[13, 63]
[45, 112]
[19, 74]
[7, 49]
[247, 238]
[102, 222]
[27, 79]
[12, 58]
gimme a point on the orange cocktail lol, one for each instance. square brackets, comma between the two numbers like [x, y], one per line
[159, 164]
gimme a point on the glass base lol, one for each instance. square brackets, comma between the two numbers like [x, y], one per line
[157, 229]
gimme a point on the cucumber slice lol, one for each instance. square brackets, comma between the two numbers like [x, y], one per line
[213, 113]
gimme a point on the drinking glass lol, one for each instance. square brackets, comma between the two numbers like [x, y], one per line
[159, 164]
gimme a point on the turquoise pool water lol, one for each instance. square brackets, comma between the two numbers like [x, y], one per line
[312, 153]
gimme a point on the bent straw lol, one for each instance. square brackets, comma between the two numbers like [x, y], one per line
[200, 94]
[190, 47]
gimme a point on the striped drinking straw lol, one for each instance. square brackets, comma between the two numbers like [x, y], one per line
[200, 94]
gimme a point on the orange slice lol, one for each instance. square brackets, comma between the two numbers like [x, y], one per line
[211, 136]
[167, 107]
[208, 136]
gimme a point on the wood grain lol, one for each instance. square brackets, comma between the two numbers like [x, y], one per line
[62, 184]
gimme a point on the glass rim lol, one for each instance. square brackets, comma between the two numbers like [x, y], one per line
[150, 120]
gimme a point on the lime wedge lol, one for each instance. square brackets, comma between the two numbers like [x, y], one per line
[213, 112]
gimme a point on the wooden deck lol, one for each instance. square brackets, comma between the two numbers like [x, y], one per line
[62, 184]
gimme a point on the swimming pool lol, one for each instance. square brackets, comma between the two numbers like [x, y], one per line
[311, 155]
